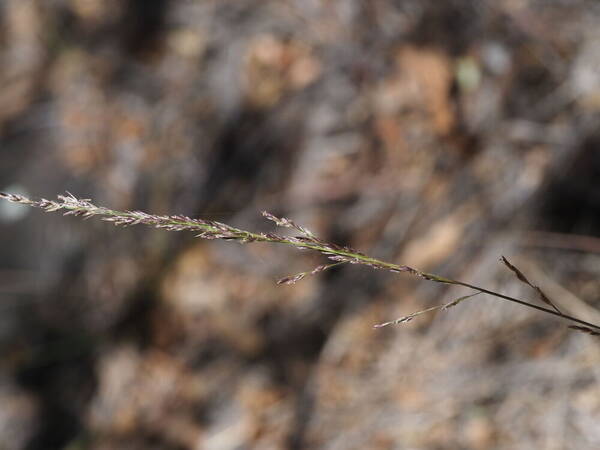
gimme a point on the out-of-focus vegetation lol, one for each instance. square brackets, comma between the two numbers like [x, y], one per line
[435, 134]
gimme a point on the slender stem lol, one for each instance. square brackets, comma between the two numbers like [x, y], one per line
[530, 305]
[438, 279]
[216, 230]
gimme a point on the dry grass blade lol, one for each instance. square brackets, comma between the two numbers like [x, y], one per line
[524, 279]
[209, 229]
[584, 330]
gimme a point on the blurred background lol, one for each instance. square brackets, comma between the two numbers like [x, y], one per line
[439, 134]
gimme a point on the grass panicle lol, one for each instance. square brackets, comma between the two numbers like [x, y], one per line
[543, 297]
[209, 229]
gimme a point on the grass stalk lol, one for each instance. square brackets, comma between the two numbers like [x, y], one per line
[209, 229]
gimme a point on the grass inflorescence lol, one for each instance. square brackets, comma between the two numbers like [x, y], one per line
[210, 229]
